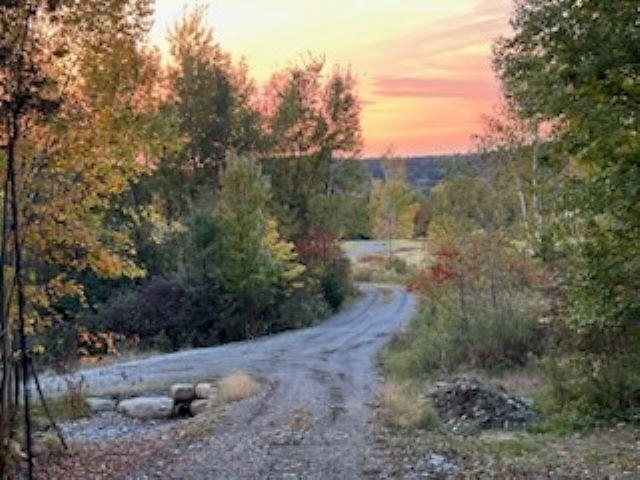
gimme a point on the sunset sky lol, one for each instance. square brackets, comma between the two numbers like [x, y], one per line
[423, 66]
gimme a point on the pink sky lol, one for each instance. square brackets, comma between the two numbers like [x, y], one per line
[423, 66]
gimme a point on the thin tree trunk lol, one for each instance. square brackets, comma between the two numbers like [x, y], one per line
[17, 246]
[6, 387]
[45, 406]
[535, 201]
[524, 211]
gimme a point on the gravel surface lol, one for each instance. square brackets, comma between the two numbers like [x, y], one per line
[107, 426]
[313, 418]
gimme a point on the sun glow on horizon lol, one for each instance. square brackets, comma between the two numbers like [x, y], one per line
[423, 66]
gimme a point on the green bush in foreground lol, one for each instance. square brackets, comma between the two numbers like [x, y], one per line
[595, 390]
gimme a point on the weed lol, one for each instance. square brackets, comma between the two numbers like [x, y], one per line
[237, 386]
[403, 407]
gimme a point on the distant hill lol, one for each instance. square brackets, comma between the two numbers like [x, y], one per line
[422, 172]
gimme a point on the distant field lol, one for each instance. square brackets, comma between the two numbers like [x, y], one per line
[369, 259]
[411, 251]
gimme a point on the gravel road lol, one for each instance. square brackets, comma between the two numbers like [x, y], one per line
[313, 418]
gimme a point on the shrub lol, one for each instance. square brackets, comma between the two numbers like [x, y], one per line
[335, 283]
[397, 265]
[437, 341]
[300, 309]
[325, 261]
[237, 386]
[592, 388]
[481, 304]
[163, 314]
[404, 407]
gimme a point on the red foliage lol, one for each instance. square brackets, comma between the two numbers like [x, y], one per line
[318, 247]
[450, 265]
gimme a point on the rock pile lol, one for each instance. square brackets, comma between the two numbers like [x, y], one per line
[184, 399]
[468, 406]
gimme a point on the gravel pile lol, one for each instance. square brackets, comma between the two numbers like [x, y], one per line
[468, 406]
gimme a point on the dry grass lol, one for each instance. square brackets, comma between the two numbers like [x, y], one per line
[237, 386]
[402, 406]
[521, 381]
[375, 267]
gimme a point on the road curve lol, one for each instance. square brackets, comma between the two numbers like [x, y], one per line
[313, 418]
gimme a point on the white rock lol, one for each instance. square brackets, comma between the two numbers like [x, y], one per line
[205, 390]
[198, 406]
[97, 404]
[182, 392]
[147, 408]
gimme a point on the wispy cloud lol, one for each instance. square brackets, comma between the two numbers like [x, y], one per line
[434, 88]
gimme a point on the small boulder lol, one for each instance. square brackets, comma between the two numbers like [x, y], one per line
[199, 406]
[182, 392]
[205, 391]
[97, 404]
[147, 408]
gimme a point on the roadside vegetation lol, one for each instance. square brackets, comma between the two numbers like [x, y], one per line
[529, 254]
[192, 206]
[532, 268]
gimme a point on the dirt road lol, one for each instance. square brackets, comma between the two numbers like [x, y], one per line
[311, 421]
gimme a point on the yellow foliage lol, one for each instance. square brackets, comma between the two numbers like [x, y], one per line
[283, 253]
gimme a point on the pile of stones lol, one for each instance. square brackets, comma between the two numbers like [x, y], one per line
[183, 400]
[468, 406]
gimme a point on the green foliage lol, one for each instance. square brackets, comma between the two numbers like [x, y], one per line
[335, 283]
[593, 388]
[254, 255]
[213, 100]
[327, 265]
[438, 341]
[580, 76]
[153, 182]
[298, 310]
[481, 292]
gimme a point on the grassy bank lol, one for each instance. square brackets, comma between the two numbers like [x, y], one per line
[557, 448]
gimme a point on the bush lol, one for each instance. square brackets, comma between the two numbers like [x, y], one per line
[397, 265]
[435, 341]
[404, 407]
[325, 261]
[336, 283]
[591, 388]
[300, 309]
[163, 314]
[167, 315]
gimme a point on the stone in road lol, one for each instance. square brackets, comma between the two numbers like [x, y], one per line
[313, 418]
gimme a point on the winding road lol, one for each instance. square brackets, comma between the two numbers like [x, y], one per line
[313, 418]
